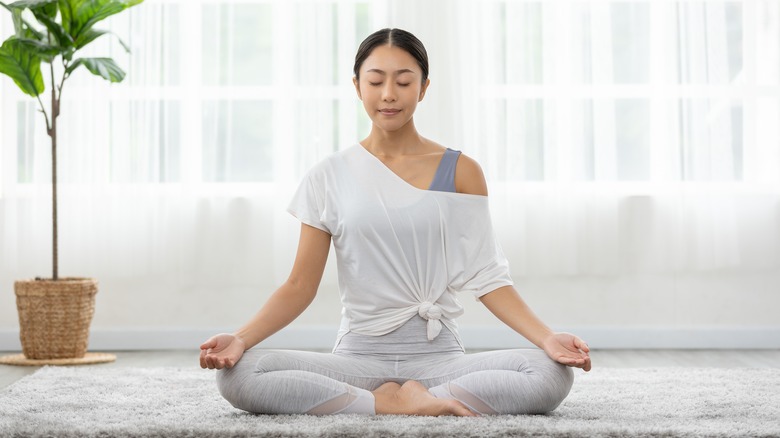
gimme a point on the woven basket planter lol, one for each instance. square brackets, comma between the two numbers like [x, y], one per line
[54, 316]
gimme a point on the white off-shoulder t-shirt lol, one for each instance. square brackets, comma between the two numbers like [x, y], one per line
[401, 251]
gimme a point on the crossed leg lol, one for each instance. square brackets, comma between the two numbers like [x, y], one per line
[523, 381]
[496, 382]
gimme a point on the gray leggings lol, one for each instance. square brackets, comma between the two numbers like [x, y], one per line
[301, 382]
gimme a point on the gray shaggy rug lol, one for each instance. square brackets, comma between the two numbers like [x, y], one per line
[176, 402]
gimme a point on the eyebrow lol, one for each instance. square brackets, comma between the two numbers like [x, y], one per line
[382, 72]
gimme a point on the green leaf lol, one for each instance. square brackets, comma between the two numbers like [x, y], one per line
[103, 67]
[22, 29]
[63, 39]
[92, 12]
[31, 4]
[45, 51]
[51, 9]
[22, 65]
[66, 13]
[87, 37]
[16, 16]
[28, 31]
[92, 34]
[68, 54]
[83, 14]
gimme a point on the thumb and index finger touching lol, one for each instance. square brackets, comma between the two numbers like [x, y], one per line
[211, 343]
[582, 345]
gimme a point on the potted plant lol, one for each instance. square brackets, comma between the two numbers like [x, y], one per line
[55, 313]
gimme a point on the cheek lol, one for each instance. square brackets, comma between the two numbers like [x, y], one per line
[414, 98]
[368, 92]
[415, 93]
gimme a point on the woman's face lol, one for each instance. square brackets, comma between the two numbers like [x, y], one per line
[390, 86]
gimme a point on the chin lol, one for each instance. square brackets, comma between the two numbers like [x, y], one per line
[391, 127]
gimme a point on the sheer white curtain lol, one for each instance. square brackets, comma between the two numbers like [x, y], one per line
[618, 137]
[174, 184]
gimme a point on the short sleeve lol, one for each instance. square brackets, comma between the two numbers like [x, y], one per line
[477, 264]
[309, 203]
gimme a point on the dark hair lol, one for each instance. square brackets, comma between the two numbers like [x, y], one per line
[394, 37]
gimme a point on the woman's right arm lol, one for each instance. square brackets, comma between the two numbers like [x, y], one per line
[284, 305]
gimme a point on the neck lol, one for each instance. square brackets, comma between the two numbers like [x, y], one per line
[404, 141]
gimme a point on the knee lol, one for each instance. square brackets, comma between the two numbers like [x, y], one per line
[245, 386]
[238, 384]
[543, 383]
[231, 384]
[555, 382]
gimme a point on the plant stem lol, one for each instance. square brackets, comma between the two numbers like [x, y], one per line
[62, 82]
[45, 116]
[53, 134]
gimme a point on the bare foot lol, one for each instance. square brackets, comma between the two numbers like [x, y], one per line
[412, 398]
[388, 388]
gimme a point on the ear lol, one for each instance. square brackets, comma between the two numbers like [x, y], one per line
[423, 89]
[357, 86]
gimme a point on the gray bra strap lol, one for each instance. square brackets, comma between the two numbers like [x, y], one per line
[444, 180]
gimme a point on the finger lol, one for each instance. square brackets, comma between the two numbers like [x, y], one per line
[203, 359]
[571, 361]
[564, 360]
[582, 345]
[583, 363]
[211, 343]
[569, 355]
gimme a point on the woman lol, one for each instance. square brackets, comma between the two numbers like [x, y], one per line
[410, 224]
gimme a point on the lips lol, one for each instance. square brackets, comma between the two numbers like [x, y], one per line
[389, 111]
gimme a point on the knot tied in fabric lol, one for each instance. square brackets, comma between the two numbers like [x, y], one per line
[432, 313]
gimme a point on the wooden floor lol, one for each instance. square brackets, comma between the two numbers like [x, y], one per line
[601, 358]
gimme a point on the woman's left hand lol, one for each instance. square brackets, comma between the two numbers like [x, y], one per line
[567, 349]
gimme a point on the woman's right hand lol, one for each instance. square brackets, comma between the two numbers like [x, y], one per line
[221, 351]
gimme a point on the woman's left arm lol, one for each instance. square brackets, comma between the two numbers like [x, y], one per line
[512, 310]
[507, 304]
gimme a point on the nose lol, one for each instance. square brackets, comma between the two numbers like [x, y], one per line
[388, 92]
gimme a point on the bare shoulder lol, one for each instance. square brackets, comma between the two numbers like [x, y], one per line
[469, 177]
